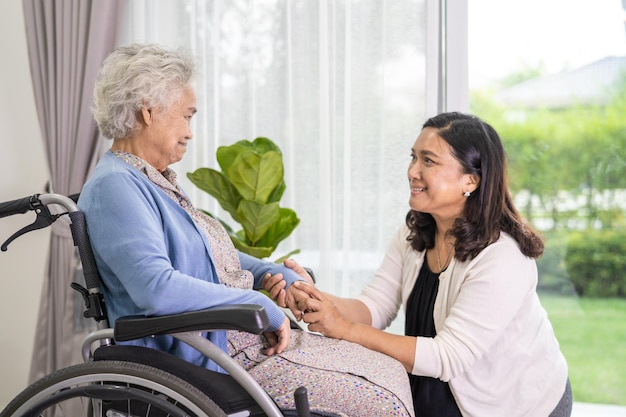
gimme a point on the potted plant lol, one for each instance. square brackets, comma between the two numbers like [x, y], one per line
[249, 188]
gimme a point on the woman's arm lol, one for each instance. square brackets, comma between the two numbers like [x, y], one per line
[348, 319]
[261, 269]
[137, 252]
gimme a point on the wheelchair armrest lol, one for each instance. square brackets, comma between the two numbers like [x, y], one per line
[250, 318]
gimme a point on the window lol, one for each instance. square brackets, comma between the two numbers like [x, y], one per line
[341, 87]
[550, 77]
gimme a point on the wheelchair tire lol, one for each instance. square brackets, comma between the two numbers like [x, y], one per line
[113, 389]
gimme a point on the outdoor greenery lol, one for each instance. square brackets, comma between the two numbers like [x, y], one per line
[567, 172]
[592, 335]
[596, 262]
[249, 188]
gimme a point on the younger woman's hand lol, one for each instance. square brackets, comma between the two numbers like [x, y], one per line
[319, 311]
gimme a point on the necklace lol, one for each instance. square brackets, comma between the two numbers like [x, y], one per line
[447, 259]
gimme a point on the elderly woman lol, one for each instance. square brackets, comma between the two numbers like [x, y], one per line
[157, 254]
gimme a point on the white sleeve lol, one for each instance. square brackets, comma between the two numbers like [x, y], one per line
[383, 294]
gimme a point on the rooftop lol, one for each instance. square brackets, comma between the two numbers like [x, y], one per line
[587, 85]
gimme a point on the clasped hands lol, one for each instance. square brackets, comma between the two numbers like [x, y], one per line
[306, 302]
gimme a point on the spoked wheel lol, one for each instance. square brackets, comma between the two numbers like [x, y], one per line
[112, 389]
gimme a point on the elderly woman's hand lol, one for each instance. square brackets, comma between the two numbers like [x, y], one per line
[275, 287]
[279, 339]
[275, 284]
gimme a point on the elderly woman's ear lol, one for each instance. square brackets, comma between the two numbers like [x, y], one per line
[146, 116]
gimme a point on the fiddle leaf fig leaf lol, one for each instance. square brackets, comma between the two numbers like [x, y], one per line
[249, 188]
[256, 176]
[278, 192]
[280, 229]
[263, 145]
[256, 251]
[226, 155]
[217, 185]
[257, 218]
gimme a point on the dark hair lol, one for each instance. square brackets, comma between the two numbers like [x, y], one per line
[489, 210]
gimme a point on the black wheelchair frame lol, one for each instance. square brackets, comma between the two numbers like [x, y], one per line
[124, 380]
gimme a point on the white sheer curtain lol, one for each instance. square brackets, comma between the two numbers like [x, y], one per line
[340, 86]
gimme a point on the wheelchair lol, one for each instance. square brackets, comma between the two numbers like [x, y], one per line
[119, 380]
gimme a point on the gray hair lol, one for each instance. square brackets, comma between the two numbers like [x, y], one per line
[134, 76]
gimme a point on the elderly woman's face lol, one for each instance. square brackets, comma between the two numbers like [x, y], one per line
[170, 131]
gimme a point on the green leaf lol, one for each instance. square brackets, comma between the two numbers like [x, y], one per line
[256, 176]
[250, 187]
[217, 185]
[260, 145]
[227, 154]
[263, 145]
[281, 228]
[277, 193]
[256, 251]
[257, 218]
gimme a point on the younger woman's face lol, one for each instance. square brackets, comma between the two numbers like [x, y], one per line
[436, 178]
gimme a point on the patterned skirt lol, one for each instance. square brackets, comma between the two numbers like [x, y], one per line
[341, 377]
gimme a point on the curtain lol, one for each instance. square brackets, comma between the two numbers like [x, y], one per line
[340, 86]
[67, 41]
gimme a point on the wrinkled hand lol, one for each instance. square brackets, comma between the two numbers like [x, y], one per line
[279, 339]
[275, 287]
[319, 311]
[275, 284]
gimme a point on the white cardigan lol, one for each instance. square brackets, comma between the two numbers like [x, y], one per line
[494, 345]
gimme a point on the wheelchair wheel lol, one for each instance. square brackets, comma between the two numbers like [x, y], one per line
[112, 389]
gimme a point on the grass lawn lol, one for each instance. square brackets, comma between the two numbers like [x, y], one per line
[592, 335]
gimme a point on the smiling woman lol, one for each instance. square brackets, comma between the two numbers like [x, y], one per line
[477, 341]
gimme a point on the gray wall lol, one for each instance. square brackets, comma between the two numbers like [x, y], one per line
[23, 171]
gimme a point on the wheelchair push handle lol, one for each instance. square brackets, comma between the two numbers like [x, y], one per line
[23, 205]
[19, 206]
[39, 204]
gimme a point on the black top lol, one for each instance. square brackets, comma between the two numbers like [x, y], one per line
[431, 396]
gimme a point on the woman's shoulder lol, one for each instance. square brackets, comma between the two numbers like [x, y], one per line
[112, 178]
[109, 163]
[507, 241]
[113, 169]
[506, 249]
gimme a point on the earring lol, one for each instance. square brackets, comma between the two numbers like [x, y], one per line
[466, 194]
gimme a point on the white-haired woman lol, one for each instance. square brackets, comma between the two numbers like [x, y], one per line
[157, 254]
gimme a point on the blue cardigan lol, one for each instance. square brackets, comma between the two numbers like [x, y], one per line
[154, 260]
